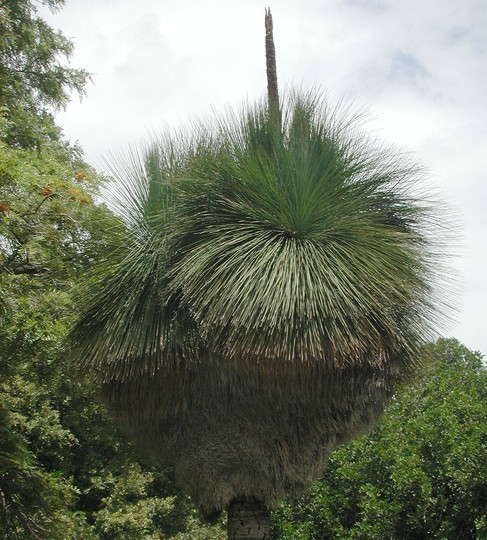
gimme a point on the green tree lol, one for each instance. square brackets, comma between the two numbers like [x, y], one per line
[49, 233]
[268, 287]
[420, 474]
[33, 80]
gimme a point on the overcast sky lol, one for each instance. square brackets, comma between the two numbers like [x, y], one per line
[418, 66]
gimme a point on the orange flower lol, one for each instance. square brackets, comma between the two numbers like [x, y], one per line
[46, 191]
[81, 176]
[85, 200]
[4, 207]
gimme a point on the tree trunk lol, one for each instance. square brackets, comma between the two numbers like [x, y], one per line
[249, 519]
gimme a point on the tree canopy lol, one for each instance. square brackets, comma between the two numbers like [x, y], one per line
[263, 273]
[34, 82]
[420, 474]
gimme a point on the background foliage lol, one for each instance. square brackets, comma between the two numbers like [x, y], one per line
[65, 473]
[420, 474]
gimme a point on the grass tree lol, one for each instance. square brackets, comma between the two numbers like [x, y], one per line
[268, 287]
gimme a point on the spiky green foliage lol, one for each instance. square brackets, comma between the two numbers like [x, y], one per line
[270, 283]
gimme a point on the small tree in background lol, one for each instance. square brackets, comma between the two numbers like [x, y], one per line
[268, 287]
[422, 472]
